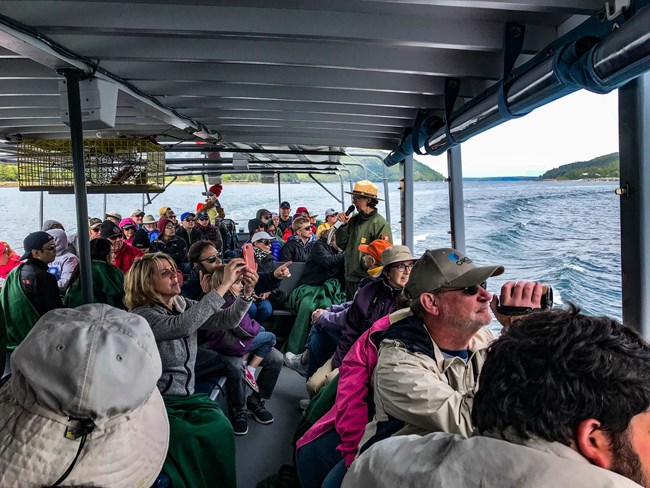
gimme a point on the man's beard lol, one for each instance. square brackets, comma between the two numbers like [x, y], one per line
[626, 461]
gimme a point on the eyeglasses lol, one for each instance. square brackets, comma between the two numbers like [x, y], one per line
[169, 227]
[204, 218]
[210, 259]
[469, 290]
[306, 228]
[171, 216]
[356, 197]
[266, 242]
[401, 267]
[48, 248]
[265, 217]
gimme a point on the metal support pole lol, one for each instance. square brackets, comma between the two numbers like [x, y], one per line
[342, 193]
[340, 200]
[279, 191]
[406, 197]
[386, 195]
[456, 208]
[143, 202]
[41, 205]
[634, 153]
[79, 173]
[105, 198]
[205, 181]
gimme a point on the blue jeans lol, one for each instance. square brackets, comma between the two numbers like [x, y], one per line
[262, 343]
[7, 370]
[321, 344]
[316, 460]
[260, 311]
[334, 479]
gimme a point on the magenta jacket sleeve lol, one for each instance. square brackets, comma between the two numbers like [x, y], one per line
[355, 375]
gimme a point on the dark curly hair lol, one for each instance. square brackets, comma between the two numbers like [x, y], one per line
[552, 370]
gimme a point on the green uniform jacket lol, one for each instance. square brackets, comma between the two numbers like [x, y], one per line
[108, 287]
[360, 229]
[18, 312]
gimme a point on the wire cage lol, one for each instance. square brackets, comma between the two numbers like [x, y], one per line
[112, 166]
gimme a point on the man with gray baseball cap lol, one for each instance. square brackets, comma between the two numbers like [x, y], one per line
[429, 362]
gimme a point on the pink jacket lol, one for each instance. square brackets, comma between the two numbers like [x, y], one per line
[349, 415]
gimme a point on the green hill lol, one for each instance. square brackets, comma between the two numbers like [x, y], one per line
[601, 167]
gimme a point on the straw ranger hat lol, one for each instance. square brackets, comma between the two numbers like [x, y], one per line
[365, 188]
[84, 383]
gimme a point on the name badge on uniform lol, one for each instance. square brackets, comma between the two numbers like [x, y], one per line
[363, 240]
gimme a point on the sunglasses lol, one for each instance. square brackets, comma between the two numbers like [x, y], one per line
[469, 290]
[306, 228]
[266, 242]
[204, 218]
[189, 220]
[48, 248]
[210, 259]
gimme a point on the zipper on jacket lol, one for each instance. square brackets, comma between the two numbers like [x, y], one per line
[187, 360]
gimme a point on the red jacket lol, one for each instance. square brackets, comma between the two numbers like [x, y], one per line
[125, 257]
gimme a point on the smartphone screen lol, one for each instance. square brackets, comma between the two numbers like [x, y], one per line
[249, 256]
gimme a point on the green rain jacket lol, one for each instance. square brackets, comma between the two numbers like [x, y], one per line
[360, 229]
[108, 287]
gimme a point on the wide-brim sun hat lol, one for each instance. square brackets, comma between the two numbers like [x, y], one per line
[96, 363]
[396, 254]
[365, 188]
[149, 219]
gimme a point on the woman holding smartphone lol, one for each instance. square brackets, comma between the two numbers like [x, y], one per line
[153, 292]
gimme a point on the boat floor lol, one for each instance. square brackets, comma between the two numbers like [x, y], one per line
[265, 448]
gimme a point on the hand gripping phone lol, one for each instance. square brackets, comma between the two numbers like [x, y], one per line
[249, 256]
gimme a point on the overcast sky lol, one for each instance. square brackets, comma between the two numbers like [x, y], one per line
[577, 127]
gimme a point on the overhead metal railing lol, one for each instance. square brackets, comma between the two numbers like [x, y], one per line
[601, 55]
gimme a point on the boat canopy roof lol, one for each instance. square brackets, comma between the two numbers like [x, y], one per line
[297, 77]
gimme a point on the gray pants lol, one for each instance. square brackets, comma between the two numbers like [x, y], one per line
[267, 378]
[7, 370]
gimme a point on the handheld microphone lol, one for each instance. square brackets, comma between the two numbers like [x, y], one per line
[338, 223]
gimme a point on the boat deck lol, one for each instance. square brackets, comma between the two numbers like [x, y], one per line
[262, 451]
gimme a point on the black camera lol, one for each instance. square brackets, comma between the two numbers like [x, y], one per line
[547, 297]
[207, 194]
[545, 303]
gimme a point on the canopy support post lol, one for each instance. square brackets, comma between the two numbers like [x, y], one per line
[279, 191]
[325, 188]
[634, 153]
[406, 197]
[72, 77]
[456, 208]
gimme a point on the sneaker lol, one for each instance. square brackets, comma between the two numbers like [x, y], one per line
[260, 413]
[240, 423]
[293, 361]
[250, 381]
[304, 403]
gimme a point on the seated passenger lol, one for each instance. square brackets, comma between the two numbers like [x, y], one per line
[429, 363]
[125, 254]
[276, 240]
[198, 428]
[141, 241]
[129, 227]
[375, 298]
[150, 225]
[29, 291]
[261, 242]
[246, 347]
[208, 231]
[172, 245]
[330, 219]
[8, 259]
[328, 324]
[64, 262]
[188, 231]
[108, 280]
[325, 261]
[298, 246]
[564, 401]
[74, 412]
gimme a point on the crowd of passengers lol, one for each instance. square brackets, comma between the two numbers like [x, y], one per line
[407, 385]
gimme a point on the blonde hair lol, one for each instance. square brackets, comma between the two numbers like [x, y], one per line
[217, 276]
[299, 222]
[138, 281]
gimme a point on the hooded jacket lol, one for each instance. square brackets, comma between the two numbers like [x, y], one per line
[237, 341]
[417, 390]
[65, 262]
[323, 263]
[361, 229]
